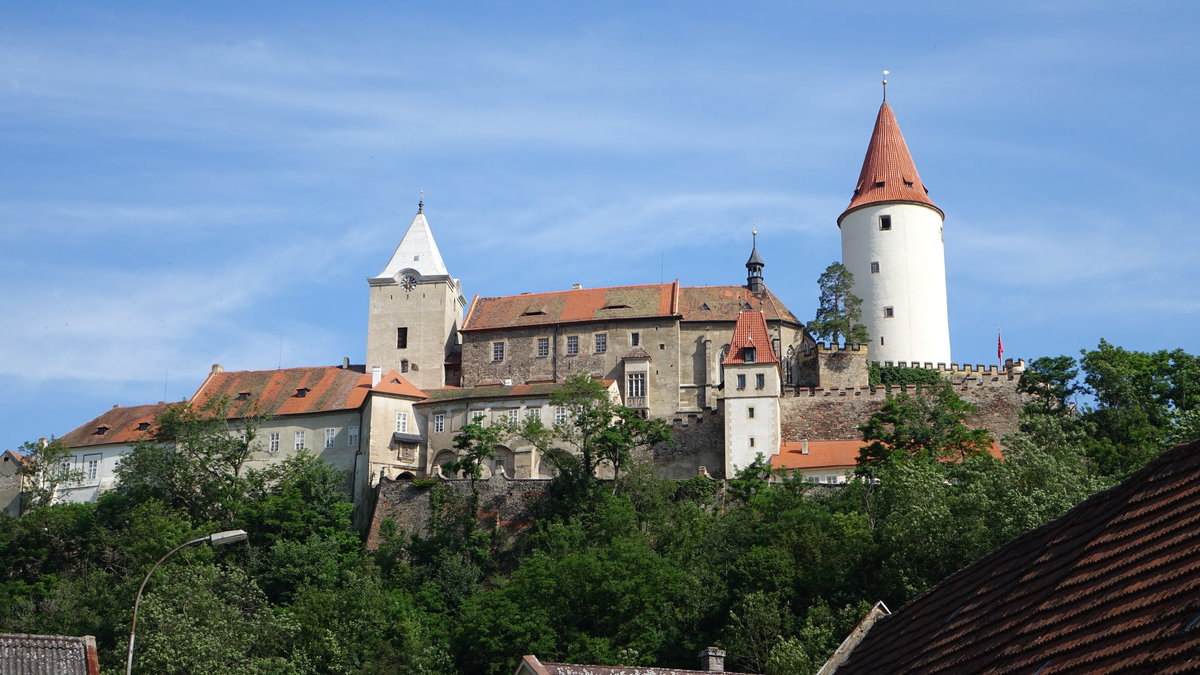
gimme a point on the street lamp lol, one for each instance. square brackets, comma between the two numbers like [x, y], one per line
[226, 537]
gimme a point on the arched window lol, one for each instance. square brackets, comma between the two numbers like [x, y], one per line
[720, 360]
[789, 366]
[443, 457]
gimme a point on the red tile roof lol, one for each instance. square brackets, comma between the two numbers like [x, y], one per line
[295, 391]
[751, 331]
[116, 425]
[724, 303]
[821, 455]
[1112, 586]
[689, 303]
[574, 306]
[533, 665]
[888, 172]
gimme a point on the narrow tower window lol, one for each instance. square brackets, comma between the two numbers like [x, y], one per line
[889, 312]
[874, 268]
[885, 222]
[401, 337]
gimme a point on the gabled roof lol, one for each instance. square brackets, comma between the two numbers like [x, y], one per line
[296, 391]
[417, 251]
[573, 306]
[724, 303]
[888, 171]
[120, 424]
[487, 392]
[750, 331]
[820, 455]
[1112, 586]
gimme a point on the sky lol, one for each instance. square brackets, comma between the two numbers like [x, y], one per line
[183, 184]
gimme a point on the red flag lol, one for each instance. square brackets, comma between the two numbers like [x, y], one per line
[999, 347]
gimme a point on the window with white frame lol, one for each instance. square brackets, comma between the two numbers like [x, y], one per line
[91, 468]
[514, 416]
[533, 413]
[572, 345]
[330, 434]
[635, 339]
[439, 423]
[299, 440]
[635, 385]
[352, 436]
[273, 442]
[560, 414]
[402, 422]
[601, 343]
[543, 346]
[497, 351]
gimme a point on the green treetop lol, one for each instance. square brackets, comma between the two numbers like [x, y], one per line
[840, 311]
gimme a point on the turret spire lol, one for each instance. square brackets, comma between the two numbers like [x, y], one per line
[754, 267]
[888, 171]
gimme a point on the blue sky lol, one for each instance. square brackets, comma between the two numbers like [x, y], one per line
[189, 184]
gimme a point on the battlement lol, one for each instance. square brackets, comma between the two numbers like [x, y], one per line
[1010, 368]
[829, 347]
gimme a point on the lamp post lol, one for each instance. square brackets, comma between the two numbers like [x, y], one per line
[226, 537]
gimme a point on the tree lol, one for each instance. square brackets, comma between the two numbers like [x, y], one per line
[475, 444]
[839, 311]
[931, 424]
[44, 468]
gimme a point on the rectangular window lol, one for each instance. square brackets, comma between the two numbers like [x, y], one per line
[299, 440]
[497, 351]
[888, 312]
[91, 468]
[572, 345]
[635, 338]
[601, 343]
[741, 381]
[635, 385]
[749, 354]
[750, 412]
[752, 441]
[401, 337]
[560, 414]
[439, 423]
[514, 416]
[352, 436]
[885, 222]
[273, 443]
[543, 347]
[760, 381]
[534, 413]
[874, 268]
[402, 422]
[329, 436]
[880, 340]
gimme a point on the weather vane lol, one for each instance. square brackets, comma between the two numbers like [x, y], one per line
[885, 74]
[421, 202]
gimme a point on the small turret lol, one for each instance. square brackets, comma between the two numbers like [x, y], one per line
[754, 267]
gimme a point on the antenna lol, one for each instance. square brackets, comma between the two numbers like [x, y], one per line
[421, 202]
[885, 74]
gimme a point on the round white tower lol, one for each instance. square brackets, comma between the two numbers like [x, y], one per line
[892, 244]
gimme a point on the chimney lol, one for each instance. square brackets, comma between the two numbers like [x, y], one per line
[376, 375]
[577, 287]
[712, 660]
[345, 363]
[804, 447]
[218, 368]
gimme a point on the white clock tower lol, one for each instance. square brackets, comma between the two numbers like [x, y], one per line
[892, 244]
[416, 309]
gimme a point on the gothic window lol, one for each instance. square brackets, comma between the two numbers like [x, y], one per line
[721, 359]
[789, 365]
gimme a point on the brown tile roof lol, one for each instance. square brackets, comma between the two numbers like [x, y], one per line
[529, 389]
[888, 172]
[751, 331]
[821, 455]
[117, 425]
[574, 306]
[531, 664]
[296, 391]
[1112, 586]
[724, 303]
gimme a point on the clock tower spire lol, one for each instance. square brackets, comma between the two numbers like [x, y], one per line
[416, 308]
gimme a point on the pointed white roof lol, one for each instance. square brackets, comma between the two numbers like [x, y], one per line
[417, 251]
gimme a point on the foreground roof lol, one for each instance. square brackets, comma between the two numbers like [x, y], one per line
[817, 454]
[295, 391]
[530, 665]
[1112, 586]
[58, 654]
[120, 424]
[888, 172]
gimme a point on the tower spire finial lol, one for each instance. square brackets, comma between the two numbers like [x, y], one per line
[885, 74]
[421, 202]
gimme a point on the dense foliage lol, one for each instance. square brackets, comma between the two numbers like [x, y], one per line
[839, 310]
[634, 571]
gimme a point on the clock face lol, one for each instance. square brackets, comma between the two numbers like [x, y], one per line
[409, 282]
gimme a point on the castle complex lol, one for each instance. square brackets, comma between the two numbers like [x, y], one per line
[730, 367]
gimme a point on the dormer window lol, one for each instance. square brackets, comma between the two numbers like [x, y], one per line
[243, 396]
[878, 183]
[908, 184]
[705, 307]
[533, 312]
[748, 354]
[615, 307]
[143, 426]
[301, 392]
[101, 430]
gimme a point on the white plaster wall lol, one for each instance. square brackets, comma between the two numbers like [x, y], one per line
[87, 490]
[764, 427]
[911, 280]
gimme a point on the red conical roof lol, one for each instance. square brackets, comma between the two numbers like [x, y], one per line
[888, 172]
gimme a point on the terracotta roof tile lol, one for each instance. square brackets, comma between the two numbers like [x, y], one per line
[751, 332]
[821, 455]
[574, 306]
[395, 383]
[540, 667]
[1112, 586]
[289, 391]
[724, 303]
[118, 425]
[888, 171]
